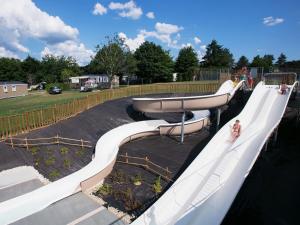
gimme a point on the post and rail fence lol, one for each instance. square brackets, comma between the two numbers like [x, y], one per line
[27, 121]
[147, 164]
[56, 140]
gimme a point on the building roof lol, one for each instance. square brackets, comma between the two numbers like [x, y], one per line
[11, 82]
[88, 76]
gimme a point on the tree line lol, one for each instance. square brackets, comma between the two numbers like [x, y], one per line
[149, 62]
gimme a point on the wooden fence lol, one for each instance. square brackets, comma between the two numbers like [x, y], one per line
[56, 140]
[145, 162]
[16, 124]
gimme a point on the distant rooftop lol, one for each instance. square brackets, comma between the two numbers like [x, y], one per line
[11, 82]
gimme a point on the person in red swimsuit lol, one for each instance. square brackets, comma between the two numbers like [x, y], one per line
[283, 88]
[236, 130]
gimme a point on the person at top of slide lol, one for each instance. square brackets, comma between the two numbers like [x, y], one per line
[250, 81]
[236, 130]
[283, 88]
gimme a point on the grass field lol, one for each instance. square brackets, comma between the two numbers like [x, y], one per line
[41, 99]
[36, 100]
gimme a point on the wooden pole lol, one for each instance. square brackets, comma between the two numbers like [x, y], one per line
[81, 144]
[11, 142]
[147, 162]
[126, 157]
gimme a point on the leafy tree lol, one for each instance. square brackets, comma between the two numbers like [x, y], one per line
[153, 63]
[242, 62]
[58, 68]
[31, 68]
[266, 62]
[11, 70]
[186, 64]
[281, 60]
[217, 56]
[110, 57]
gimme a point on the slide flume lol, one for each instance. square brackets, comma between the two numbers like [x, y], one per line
[207, 188]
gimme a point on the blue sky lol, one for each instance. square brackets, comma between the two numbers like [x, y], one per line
[74, 28]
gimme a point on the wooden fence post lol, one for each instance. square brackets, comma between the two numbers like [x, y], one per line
[147, 162]
[126, 157]
[57, 139]
[11, 142]
[81, 144]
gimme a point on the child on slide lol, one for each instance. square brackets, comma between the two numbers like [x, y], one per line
[283, 88]
[235, 130]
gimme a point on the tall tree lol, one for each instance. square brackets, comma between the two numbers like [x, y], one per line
[31, 68]
[265, 62]
[11, 70]
[281, 60]
[217, 56]
[242, 62]
[154, 64]
[110, 57]
[186, 64]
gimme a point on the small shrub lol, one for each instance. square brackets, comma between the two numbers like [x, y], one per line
[104, 190]
[34, 150]
[67, 163]
[37, 161]
[79, 153]
[130, 203]
[64, 150]
[137, 180]
[157, 188]
[50, 161]
[49, 152]
[118, 177]
[54, 174]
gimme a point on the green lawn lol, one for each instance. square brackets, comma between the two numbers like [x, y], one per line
[36, 100]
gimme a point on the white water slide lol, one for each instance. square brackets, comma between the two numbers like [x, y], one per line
[205, 191]
[105, 155]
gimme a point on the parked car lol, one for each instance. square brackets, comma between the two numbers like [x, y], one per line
[55, 90]
[85, 89]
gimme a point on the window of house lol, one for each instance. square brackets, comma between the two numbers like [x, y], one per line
[5, 89]
[14, 88]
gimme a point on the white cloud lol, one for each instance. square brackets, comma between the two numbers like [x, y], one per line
[6, 53]
[197, 40]
[21, 19]
[165, 28]
[203, 47]
[99, 9]
[70, 48]
[186, 45]
[134, 43]
[150, 15]
[201, 52]
[271, 21]
[128, 9]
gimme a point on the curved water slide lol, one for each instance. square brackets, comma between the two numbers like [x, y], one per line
[105, 155]
[182, 104]
[205, 191]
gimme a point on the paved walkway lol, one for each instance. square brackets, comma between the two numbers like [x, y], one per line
[76, 209]
[19, 189]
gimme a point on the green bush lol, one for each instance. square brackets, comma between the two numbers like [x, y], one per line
[105, 189]
[50, 161]
[67, 163]
[64, 150]
[157, 188]
[54, 174]
[137, 180]
[62, 86]
[34, 150]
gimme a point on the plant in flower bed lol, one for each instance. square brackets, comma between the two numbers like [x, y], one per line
[131, 194]
[137, 180]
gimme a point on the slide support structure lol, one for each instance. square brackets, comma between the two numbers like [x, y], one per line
[275, 136]
[182, 127]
